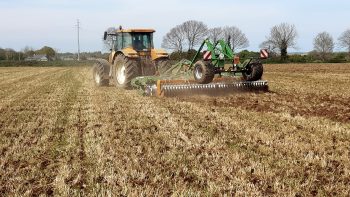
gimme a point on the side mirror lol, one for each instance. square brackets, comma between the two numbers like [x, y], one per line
[105, 36]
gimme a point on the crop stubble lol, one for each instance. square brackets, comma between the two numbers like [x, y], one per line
[60, 135]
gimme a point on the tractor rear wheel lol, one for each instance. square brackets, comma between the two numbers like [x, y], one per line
[163, 65]
[101, 72]
[203, 72]
[125, 69]
[254, 72]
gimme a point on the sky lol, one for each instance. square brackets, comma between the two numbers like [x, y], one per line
[38, 23]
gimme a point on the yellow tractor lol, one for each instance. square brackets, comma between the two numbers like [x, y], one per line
[132, 55]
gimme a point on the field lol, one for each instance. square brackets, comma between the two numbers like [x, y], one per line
[60, 135]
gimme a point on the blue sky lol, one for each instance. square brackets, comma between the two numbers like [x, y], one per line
[36, 23]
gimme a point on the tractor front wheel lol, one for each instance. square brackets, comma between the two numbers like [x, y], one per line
[125, 69]
[203, 72]
[254, 72]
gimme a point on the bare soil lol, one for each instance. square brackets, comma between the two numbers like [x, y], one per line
[60, 135]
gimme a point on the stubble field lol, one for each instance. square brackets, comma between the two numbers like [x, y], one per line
[60, 135]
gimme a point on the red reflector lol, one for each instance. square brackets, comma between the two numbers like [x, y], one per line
[264, 54]
[207, 55]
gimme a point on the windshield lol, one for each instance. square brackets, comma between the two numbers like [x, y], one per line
[138, 41]
[127, 40]
[142, 41]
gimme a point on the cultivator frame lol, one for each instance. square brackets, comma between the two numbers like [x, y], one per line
[182, 79]
[218, 71]
[218, 54]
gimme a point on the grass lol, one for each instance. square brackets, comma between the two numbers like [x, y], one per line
[60, 135]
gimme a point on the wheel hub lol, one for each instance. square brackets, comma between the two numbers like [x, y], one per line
[121, 76]
[97, 78]
[198, 72]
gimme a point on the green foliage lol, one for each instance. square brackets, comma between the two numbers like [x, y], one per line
[48, 51]
[2, 54]
[245, 54]
[311, 57]
[295, 58]
[83, 55]
[339, 58]
[299, 59]
[8, 54]
[29, 53]
[183, 55]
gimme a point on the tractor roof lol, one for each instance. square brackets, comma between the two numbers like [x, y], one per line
[135, 30]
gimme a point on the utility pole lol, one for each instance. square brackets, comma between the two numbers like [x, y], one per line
[78, 28]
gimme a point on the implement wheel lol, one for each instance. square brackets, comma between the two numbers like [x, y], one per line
[100, 72]
[203, 72]
[254, 72]
[125, 69]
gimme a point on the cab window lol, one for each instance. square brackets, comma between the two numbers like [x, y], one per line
[142, 41]
[127, 40]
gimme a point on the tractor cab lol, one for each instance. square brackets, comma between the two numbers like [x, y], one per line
[136, 39]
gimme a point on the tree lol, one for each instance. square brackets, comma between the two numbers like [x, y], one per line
[324, 45]
[282, 37]
[235, 37]
[28, 51]
[175, 39]
[195, 32]
[108, 43]
[344, 40]
[10, 54]
[190, 33]
[48, 51]
[270, 46]
[215, 34]
[2, 54]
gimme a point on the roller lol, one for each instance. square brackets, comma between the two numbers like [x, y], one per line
[174, 88]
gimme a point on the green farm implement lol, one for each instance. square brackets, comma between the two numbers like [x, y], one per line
[218, 71]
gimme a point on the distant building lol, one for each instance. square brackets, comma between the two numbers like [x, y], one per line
[39, 58]
[67, 58]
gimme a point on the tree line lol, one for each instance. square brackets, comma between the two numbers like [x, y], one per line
[10, 54]
[282, 37]
[190, 34]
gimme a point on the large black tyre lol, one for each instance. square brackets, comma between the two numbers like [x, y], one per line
[100, 72]
[203, 72]
[125, 69]
[163, 65]
[254, 72]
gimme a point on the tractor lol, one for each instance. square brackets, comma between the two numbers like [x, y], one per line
[132, 55]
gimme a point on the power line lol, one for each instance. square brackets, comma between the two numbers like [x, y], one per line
[78, 29]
